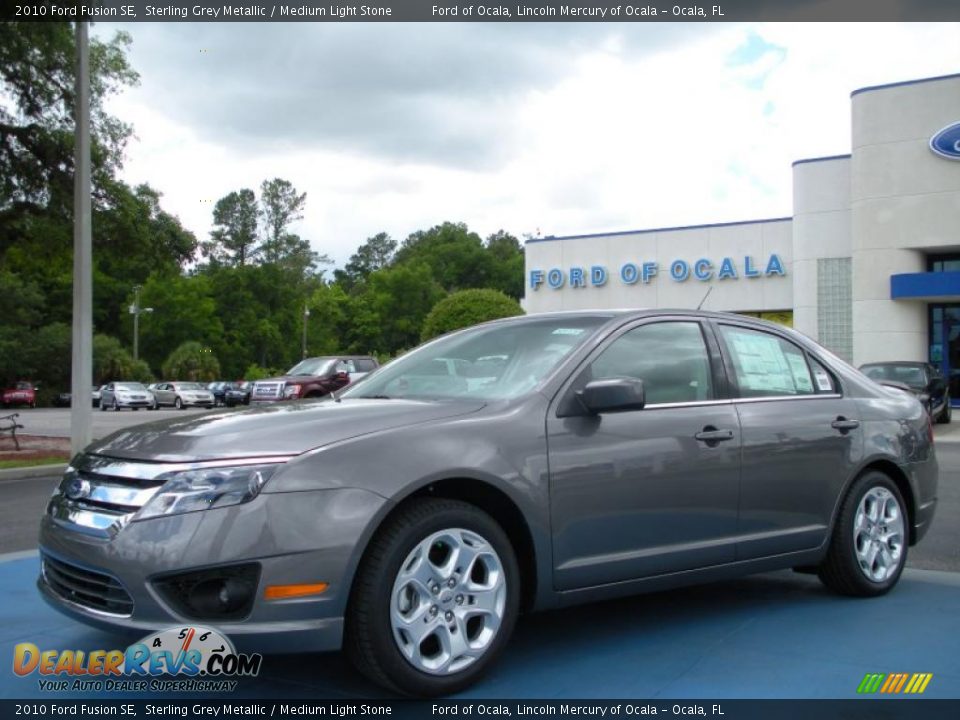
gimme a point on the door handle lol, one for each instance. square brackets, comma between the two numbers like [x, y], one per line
[711, 435]
[844, 425]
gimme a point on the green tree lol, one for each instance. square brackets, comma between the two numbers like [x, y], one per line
[506, 275]
[386, 316]
[37, 69]
[280, 206]
[466, 308]
[456, 256]
[111, 361]
[183, 309]
[233, 239]
[192, 361]
[374, 254]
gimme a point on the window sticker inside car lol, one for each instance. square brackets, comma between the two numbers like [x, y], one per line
[823, 380]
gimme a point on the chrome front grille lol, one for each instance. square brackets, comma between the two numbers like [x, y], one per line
[91, 589]
[99, 504]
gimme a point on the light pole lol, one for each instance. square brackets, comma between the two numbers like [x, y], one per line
[135, 310]
[306, 314]
[81, 362]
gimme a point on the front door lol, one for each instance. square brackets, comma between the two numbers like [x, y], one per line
[945, 346]
[645, 492]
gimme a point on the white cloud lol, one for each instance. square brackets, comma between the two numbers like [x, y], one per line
[616, 136]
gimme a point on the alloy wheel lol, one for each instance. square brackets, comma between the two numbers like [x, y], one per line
[878, 534]
[448, 601]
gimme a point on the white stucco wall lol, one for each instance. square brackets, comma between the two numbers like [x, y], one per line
[821, 229]
[905, 203]
[755, 239]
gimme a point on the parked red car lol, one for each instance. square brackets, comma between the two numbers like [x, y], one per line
[22, 393]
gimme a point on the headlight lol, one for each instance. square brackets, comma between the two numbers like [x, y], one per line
[291, 391]
[924, 398]
[192, 490]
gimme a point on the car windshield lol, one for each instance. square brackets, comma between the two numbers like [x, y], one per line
[24, 386]
[490, 362]
[137, 387]
[312, 366]
[911, 375]
[190, 386]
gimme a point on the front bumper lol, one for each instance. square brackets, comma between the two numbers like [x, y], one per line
[133, 403]
[295, 538]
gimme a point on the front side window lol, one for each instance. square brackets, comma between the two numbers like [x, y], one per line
[766, 365]
[669, 357]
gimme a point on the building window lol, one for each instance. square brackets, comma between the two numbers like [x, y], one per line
[835, 306]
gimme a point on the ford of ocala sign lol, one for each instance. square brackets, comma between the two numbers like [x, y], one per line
[946, 143]
[679, 270]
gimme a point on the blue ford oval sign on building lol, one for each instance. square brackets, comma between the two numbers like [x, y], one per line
[946, 143]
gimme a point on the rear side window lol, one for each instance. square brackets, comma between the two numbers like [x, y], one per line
[670, 357]
[364, 365]
[766, 365]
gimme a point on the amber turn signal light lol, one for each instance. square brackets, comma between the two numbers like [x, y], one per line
[284, 592]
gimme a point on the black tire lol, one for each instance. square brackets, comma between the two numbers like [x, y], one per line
[945, 417]
[102, 406]
[841, 570]
[178, 403]
[368, 636]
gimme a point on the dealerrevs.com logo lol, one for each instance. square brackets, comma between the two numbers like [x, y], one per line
[204, 657]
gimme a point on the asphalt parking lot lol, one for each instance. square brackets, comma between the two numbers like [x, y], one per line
[777, 635]
[55, 422]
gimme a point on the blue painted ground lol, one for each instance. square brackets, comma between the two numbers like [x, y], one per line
[778, 635]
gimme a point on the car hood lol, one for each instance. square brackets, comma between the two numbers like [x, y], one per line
[284, 429]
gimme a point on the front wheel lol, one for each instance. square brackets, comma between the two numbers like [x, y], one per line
[435, 599]
[178, 404]
[868, 549]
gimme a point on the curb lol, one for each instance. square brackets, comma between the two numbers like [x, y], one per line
[33, 472]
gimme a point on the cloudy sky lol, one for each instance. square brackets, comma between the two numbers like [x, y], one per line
[556, 128]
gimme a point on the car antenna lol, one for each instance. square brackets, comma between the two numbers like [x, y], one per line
[709, 290]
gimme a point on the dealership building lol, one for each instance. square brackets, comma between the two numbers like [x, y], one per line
[868, 264]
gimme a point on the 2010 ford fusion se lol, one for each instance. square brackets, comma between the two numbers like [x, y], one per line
[518, 465]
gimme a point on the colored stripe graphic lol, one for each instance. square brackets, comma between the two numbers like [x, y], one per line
[894, 683]
[871, 683]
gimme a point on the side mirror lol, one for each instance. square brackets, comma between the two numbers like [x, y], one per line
[612, 395]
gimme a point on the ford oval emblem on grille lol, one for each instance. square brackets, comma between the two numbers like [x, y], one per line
[946, 143]
[78, 489]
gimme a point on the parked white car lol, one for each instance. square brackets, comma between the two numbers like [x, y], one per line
[131, 395]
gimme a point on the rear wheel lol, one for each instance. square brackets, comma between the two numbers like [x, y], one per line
[435, 599]
[868, 549]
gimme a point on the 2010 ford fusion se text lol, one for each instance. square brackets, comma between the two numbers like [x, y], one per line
[519, 465]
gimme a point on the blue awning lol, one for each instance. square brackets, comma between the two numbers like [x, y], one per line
[926, 286]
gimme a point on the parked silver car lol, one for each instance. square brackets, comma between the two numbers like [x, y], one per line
[133, 395]
[602, 454]
[183, 394]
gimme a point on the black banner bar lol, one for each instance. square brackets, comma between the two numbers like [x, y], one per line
[471, 11]
[587, 709]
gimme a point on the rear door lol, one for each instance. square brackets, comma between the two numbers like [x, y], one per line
[801, 440]
[640, 493]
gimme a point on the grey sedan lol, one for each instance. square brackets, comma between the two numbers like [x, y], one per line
[601, 454]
